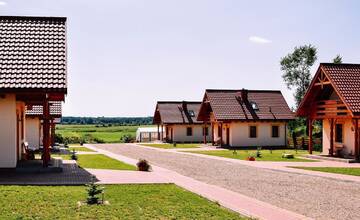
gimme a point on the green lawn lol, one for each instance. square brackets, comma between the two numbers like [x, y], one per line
[266, 154]
[83, 149]
[100, 161]
[95, 133]
[354, 171]
[171, 146]
[161, 201]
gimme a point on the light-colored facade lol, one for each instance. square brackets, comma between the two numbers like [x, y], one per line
[8, 134]
[237, 134]
[347, 145]
[33, 132]
[12, 126]
[181, 133]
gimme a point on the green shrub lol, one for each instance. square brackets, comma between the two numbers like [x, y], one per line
[258, 152]
[143, 165]
[98, 140]
[73, 155]
[93, 192]
[317, 147]
[73, 140]
[127, 138]
[59, 138]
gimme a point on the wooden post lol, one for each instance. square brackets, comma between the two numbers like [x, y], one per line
[158, 132]
[52, 132]
[162, 132]
[212, 134]
[171, 134]
[46, 133]
[310, 145]
[331, 151]
[221, 134]
[357, 156]
[204, 132]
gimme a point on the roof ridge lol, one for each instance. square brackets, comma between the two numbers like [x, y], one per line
[9, 17]
[178, 102]
[239, 90]
[340, 64]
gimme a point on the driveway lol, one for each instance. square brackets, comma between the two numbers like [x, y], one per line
[312, 196]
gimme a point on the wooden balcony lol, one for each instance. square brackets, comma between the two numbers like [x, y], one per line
[330, 109]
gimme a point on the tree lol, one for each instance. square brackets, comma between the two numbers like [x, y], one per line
[296, 67]
[337, 59]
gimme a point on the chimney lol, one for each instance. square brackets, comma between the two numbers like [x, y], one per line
[244, 95]
[184, 106]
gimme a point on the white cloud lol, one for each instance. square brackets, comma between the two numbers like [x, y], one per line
[2, 3]
[259, 40]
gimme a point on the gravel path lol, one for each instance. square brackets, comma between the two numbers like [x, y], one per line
[316, 197]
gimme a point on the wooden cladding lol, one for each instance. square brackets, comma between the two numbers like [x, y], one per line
[330, 109]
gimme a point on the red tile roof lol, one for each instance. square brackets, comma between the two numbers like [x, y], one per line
[231, 105]
[172, 112]
[346, 80]
[37, 110]
[33, 53]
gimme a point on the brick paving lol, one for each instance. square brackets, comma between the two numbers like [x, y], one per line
[71, 175]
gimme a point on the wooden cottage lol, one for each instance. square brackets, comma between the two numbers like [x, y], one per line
[334, 98]
[246, 118]
[33, 72]
[177, 122]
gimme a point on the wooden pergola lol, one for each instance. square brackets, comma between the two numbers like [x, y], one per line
[324, 101]
[45, 99]
[55, 113]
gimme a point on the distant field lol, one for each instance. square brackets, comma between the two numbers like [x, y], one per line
[96, 134]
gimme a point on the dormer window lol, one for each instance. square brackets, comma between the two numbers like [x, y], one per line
[191, 113]
[254, 106]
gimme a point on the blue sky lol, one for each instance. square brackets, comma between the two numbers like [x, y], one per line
[124, 55]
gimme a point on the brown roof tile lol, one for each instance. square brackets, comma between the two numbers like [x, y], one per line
[229, 105]
[346, 79]
[172, 112]
[32, 52]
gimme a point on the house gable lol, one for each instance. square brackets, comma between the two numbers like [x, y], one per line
[324, 99]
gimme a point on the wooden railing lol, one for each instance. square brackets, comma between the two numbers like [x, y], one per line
[302, 142]
[330, 108]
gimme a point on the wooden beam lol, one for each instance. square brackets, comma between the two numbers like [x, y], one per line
[46, 134]
[204, 133]
[357, 150]
[322, 83]
[221, 134]
[52, 136]
[331, 150]
[162, 132]
[158, 131]
[310, 129]
[212, 134]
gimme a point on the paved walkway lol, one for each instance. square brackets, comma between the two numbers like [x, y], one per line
[300, 193]
[227, 198]
[71, 175]
[278, 166]
[127, 177]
